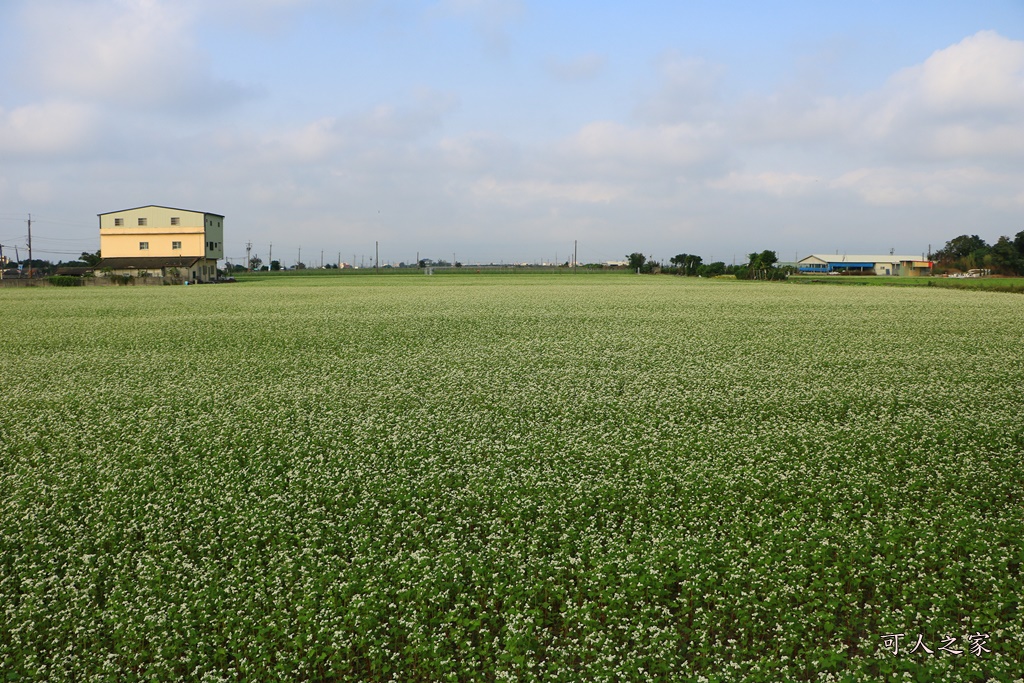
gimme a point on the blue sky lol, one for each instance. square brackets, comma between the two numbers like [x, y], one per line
[503, 130]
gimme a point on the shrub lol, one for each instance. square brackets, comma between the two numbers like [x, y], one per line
[65, 281]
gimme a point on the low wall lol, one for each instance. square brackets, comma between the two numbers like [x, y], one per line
[86, 282]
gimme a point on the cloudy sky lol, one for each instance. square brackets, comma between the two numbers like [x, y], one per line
[503, 130]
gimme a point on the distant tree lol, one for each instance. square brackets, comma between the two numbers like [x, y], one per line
[963, 252]
[687, 264]
[679, 261]
[636, 260]
[1003, 257]
[761, 266]
[255, 262]
[92, 260]
[712, 269]
[37, 267]
[300, 266]
[769, 258]
[275, 265]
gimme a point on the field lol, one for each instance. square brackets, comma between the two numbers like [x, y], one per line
[511, 477]
[990, 284]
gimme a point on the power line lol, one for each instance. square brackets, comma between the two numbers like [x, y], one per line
[65, 239]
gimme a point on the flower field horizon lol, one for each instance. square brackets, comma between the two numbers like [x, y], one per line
[511, 478]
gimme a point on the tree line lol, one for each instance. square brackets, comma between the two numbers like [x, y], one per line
[970, 252]
[759, 266]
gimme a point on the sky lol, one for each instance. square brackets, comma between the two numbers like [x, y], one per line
[510, 130]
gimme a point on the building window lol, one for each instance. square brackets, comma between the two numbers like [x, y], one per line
[175, 245]
[118, 222]
[175, 220]
[143, 246]
[142, 221]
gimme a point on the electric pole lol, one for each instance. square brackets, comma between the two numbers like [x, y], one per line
[574, 246]
[300, 257]
[271, 257]
[30, 246]
[376, 257]
[248, 257]
[321, 259]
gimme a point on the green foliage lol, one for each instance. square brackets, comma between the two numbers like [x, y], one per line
[91, 259]
[968, 252]
[637, 261]
[687, 264]
[761, 266]
[713, 269]
[64, 281]
[532, 478]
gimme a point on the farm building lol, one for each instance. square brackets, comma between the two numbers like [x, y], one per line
[161, 241]
[865, 264]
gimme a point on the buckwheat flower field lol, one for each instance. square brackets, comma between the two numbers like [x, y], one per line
[511, 478]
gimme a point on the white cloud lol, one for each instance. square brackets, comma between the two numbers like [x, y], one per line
[981, 75]
[963, 102]
[531, 191]
[646, 149]
[894, 186]
[687, 91]
[48, 129]
[131, 54]
[772, 183]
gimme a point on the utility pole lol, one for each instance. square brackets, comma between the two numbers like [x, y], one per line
[321, 259]
[300, 256]
[30, 246]
[248, 257]
[376, 257]
[574, 246]
[270, 258]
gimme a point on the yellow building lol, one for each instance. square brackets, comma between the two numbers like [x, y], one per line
[161, 241]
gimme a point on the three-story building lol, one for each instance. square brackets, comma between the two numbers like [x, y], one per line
[161, 241]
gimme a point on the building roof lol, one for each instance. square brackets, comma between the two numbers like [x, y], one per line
[147, 262]
[158, 206]
[864, 258]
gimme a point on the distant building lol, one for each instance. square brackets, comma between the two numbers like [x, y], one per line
[864, 264]
[161, 241]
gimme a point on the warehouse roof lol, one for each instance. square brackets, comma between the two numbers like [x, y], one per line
[140, 262]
